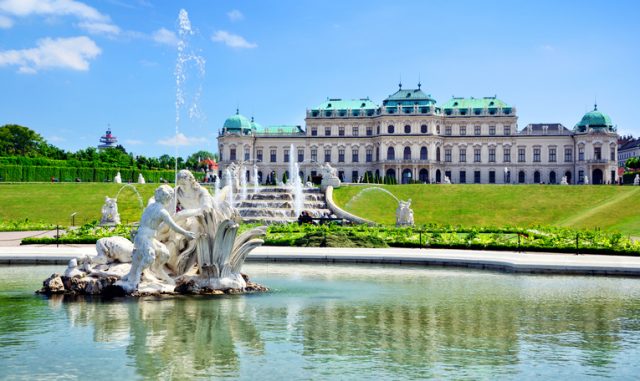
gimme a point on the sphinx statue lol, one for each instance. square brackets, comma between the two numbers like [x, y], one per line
[404, 214]
[110, 215]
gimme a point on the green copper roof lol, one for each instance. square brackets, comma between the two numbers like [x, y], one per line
[280, 129]
[596, 120]
[237, 123]
[255, 125]
[479, 103]
[409, 97]
[346, 104]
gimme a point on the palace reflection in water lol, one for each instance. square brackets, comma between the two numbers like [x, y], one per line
[357, 322]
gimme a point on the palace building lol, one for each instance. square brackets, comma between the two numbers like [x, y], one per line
[413, 139]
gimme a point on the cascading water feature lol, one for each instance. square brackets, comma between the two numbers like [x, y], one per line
[243, 184]
[229, 182]
[256, 182]
[295, 183]
[216, 186]
[140, 201]
[404, 214]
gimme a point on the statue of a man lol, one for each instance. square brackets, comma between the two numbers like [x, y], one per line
[147, 250]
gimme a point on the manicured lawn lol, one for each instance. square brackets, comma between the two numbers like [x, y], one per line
[611, 208]
[55, 202]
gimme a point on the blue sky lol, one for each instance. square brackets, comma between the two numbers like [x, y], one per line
[70, 68]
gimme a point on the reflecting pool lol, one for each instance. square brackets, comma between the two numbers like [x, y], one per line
[331, 322]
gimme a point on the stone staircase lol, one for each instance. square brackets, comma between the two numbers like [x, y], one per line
[272, 205]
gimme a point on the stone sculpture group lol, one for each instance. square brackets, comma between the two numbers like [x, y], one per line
[195, 250]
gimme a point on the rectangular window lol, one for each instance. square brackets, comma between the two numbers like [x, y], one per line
[581, 153]
[341, 155]
[354, 176]
[369, 131]
[613, 154]
[340, 131]
[492, 130]
[552, 155]
[259, 155]
[300, 155]
[492, 177]
[314, 155]
[447, 155]
[246, 156]
[463, 177]
[463, 154]
[232, 154]
[272, 154]
[369, 155]
[447, 130]
[506, 155]
[355, 153]
[476, 155]
[507, 130]
[476, 177]
[597, 153]
[327, 131]
[476, 130]
[492, 155]
[568, 155]
[463, 130]
[521, 155]
[356, 131]
[536, 155]
[286, 155]
[314, 131]
[327, 156]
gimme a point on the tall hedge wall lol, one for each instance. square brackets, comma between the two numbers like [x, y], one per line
[28, 173]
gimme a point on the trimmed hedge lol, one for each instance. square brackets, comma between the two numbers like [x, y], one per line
[20, 173]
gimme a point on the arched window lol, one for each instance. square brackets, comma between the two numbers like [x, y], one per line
[438, 154]
[424, 153]
[552, 177]
[391, 129]
[424, 129]
[423, 176]
[521, 177]
[391, 173]
[536, 177]
[407, 153]
[391, 153]
[406, 176]
[407, 129]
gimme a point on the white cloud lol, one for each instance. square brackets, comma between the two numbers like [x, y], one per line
[165, 36]
[133, 142]
[5, 22]
[232, 40]
[91, 19]
[181, 140]
[235, 15]
[62, 53]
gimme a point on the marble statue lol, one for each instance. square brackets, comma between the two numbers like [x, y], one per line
[586, 180]
[447, 180]
[194, 250]
[404, 214]
[636, 180]
[564, 181]
[117, 179]
[110, 215]
[329, 177]
[141, 179]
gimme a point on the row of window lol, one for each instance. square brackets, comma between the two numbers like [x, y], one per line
[355, 131]
[406, 155]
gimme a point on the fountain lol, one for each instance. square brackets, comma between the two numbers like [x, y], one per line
[295, 183]
[228, 182]
[404, 213]
[243, 184]
[636, 180]
[196, 250]
[256, 181]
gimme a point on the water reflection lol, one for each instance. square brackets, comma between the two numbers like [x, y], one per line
[340, 322]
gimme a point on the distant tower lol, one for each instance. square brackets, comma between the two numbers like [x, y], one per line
[108, 140]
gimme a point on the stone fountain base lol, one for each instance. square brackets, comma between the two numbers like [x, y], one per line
[108, 287]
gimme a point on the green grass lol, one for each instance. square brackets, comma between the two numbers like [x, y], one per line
[610, 208]
[55, 202]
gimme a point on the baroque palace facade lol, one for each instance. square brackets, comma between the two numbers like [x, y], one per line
[411, 138]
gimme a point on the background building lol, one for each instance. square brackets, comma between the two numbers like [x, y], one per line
[411, 138]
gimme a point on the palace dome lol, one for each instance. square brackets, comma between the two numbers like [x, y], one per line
[237, 124]
[595, 120]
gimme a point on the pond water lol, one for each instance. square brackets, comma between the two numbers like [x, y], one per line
[331, 322]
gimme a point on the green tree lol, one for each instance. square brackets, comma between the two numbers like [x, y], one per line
[19, 140]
